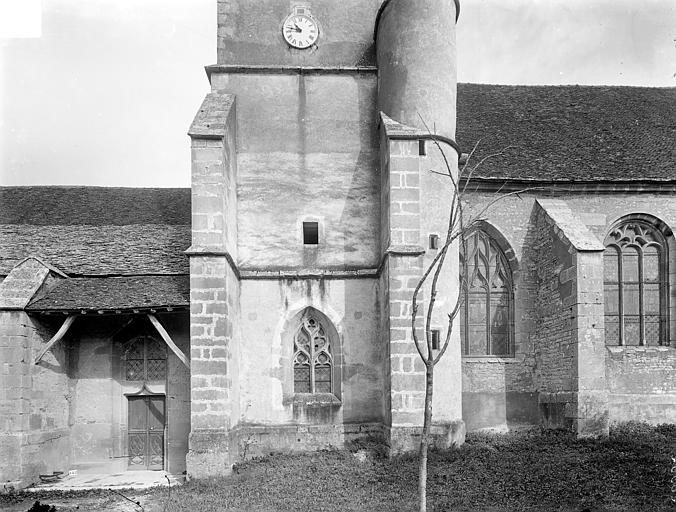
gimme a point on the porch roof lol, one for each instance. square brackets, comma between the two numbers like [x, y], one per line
[114, 294]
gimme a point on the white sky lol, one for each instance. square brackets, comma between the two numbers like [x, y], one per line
[101, 92]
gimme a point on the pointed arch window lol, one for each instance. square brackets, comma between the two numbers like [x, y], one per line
[486, 310]
[635, 285]
[145, 359]
[312, 358]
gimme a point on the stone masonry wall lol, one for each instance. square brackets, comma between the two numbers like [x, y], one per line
[34, 401]
[634, 376]
[34, 412]
[642, 384]
[406, 371]
[214, 289]
[551, 263]
[213, 292]
[405, 266]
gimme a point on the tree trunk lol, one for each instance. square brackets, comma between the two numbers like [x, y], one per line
[425, 438]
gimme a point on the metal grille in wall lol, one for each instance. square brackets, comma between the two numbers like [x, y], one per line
[634, 285]
[312, 359]
[487, 304]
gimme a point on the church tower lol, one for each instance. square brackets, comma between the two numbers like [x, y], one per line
[312, 209]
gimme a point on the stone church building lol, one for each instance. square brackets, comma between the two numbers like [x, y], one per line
[267, 308]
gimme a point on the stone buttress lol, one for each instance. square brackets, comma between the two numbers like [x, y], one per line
[416, 57]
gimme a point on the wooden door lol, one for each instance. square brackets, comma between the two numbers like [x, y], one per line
[146, 420]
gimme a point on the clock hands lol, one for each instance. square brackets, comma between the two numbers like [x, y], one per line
[300, 32]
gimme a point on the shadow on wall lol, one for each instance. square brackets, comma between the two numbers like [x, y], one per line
[101, 392]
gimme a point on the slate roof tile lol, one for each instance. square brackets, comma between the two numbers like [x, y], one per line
[570, 133]
[94, 206]
[115, 293]
[95, 230]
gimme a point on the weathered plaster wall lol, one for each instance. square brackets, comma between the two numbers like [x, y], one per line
[305, 151]
[267, 329]
[435, 197]
[178, 393]
[251, 33]
[99, 406]
[96, 436]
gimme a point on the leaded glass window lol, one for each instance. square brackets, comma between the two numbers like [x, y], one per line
[634, 285]
[145, 359]
[487, 303]
[312, 358]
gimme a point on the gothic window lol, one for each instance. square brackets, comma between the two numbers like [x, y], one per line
[312, 358]
[145, 359]
[487, 302]
[634, 285]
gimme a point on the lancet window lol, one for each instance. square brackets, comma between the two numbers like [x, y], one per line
[486, 310]
[635, 285]
[312, 358]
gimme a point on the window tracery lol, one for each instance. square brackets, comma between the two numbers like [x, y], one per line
[312, 358]
[487, 303]
[145, 360]
[634, 284]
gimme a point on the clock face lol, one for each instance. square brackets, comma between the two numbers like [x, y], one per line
[300, 31]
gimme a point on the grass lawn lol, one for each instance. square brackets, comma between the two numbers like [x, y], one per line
[528, 471]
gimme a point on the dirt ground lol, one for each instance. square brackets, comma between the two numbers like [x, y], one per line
[99, 501]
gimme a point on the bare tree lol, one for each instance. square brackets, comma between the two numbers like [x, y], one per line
[457, 229]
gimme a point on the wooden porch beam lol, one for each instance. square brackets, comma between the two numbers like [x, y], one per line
[167, 339]
[57, 337]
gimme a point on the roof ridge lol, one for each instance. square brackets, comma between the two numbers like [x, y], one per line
[581, 86]
[99, 187]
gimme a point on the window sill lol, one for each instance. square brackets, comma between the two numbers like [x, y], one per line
[492, 359]
[316, 399]
[620, 349]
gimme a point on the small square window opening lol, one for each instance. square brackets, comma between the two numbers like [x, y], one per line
[434, 241]
[422, 150]
[311, 233]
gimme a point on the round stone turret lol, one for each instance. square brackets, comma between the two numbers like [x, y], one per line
[416, 56]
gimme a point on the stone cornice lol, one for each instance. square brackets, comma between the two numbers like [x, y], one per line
[289, 70]
[560, 187]
[306, 273]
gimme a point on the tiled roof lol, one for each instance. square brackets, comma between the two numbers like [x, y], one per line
[98, 250]
[94, 206]
[115, 293]
[96, 231]
[570, 133]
